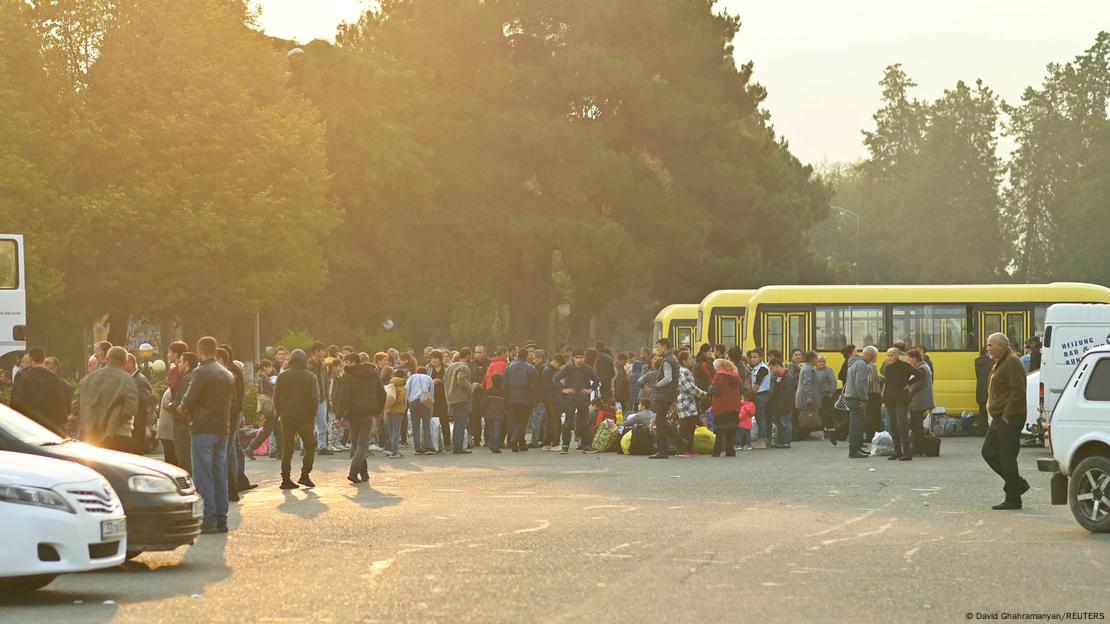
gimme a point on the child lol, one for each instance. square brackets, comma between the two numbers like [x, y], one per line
[747, 412]
[494, 407]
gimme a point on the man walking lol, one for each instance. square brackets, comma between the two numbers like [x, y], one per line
[37, 395]
[1006, 406]
[296, 400]
[207, 405]
[857, 394]
[359, 398]
[105, 403]
[664, 394]
[478, 368]
[459, 390]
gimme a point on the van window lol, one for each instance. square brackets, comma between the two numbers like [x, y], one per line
[9, 265]
[1098, 384]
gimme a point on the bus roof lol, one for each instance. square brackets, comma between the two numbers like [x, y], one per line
[932, 294]
[727, 298]
[687, 311]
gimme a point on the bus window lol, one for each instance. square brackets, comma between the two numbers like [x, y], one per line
[839, 326]
[774, 336]
[698, 328]
[1039, 312]
[9, 265]
[938, 328]
[656, 332]
[799, 332]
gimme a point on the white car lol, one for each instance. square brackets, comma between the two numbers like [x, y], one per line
[1079, 439]
[55, 517]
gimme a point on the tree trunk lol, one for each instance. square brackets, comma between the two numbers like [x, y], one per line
[117, 327]
[529, 293]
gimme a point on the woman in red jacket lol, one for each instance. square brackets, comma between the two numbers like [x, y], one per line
[726, 407]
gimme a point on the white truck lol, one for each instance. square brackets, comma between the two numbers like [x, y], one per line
[13, 299]
[1079, 439]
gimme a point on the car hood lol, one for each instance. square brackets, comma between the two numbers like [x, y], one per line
[44, 472]
[87, 453]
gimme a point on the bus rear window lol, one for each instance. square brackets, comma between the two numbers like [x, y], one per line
[9, 265]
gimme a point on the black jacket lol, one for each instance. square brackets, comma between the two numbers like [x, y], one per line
[237, 396]
[605, 371]
[296, 395]
[360, 394]
[207, 402]
[983, 366]
[37, 395]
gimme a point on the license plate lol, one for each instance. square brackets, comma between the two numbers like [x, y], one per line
[113, 529]
[198, 509]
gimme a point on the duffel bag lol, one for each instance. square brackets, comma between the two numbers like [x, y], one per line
[642, 442]
[932, 445]
[606, 436]
[704, 439]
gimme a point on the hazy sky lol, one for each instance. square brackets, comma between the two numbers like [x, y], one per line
[821, 61]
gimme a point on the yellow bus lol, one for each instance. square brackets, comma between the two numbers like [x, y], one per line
[951, 322]
[722, 318]
[677, 323]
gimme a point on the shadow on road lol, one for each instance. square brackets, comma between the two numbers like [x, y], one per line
[370, 498]
[309, 506]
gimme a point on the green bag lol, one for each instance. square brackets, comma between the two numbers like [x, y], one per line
[606, 436]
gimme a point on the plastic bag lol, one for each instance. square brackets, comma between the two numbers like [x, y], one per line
[606, 436]
[626, 442]
[704, 439]
[882, 445]
[437, 434]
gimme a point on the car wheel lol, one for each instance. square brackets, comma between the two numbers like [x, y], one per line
[1089, 494]
[26, 583]
[131, 554]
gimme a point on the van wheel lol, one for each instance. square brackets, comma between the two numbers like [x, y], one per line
[26, 583]
[1089, 494]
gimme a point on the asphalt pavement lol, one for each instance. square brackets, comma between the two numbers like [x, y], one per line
[798, 535]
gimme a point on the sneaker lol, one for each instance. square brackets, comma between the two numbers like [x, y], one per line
[564, 450]
[325, 452]
[495, 450]
[375, 447]
[462, 452]
[208, 529]
[221, 528]
[406, 445]
[354, 479]
[688, 454]
[589, 451]
[286, 484]
[659, 456]
[305, 481]
[746, 448]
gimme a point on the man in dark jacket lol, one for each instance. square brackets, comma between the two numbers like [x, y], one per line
[319, 369]
[105, 403]
[139, 438]
[520, 377]
[207, 405]
[37, 395]
[296, 397]
[606, 370]
[1006, 405]
[359, 398]
[664, 394]
[577, 381]
[478, 368]
[552, 398]
[784, 389]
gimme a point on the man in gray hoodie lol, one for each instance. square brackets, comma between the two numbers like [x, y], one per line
[856, 395]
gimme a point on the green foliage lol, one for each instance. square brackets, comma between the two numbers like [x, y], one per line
[296, 339]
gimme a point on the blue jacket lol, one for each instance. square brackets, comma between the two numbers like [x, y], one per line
[634, 384]
[520, 376]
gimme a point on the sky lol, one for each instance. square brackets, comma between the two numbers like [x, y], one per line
[821, 61]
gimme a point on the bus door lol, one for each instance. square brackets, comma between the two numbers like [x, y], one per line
[1014, 323]
[786, 331]
[682, 335]
[730, 330]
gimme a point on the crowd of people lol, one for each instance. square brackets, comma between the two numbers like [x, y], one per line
[330, 399]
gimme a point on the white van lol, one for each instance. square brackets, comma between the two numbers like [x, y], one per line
[1071, 330]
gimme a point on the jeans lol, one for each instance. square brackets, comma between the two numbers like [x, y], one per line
[686, 427]
[183, 442]
[745, 437]
[784, 429]
[210, 475]
[578, 412]
[493, 431]
[460, 415]
[421, 427]
[762, 419]
[520, 414]
[360, 445]
[537, 423]
[855, 424]
[321, 425]
[1000, 451]
[393, 424]
[474, 426]
[289, 433]
[663, 430]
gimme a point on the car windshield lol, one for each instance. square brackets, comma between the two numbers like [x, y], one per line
[26, 430]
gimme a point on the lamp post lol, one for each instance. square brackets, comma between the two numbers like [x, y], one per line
[855, 215]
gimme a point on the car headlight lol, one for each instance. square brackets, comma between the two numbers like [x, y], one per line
[39, 497]
[151, 485]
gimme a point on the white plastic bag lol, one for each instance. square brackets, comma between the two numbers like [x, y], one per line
[437, 434]
[882, 445]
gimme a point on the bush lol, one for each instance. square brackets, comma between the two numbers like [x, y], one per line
[296, 339]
